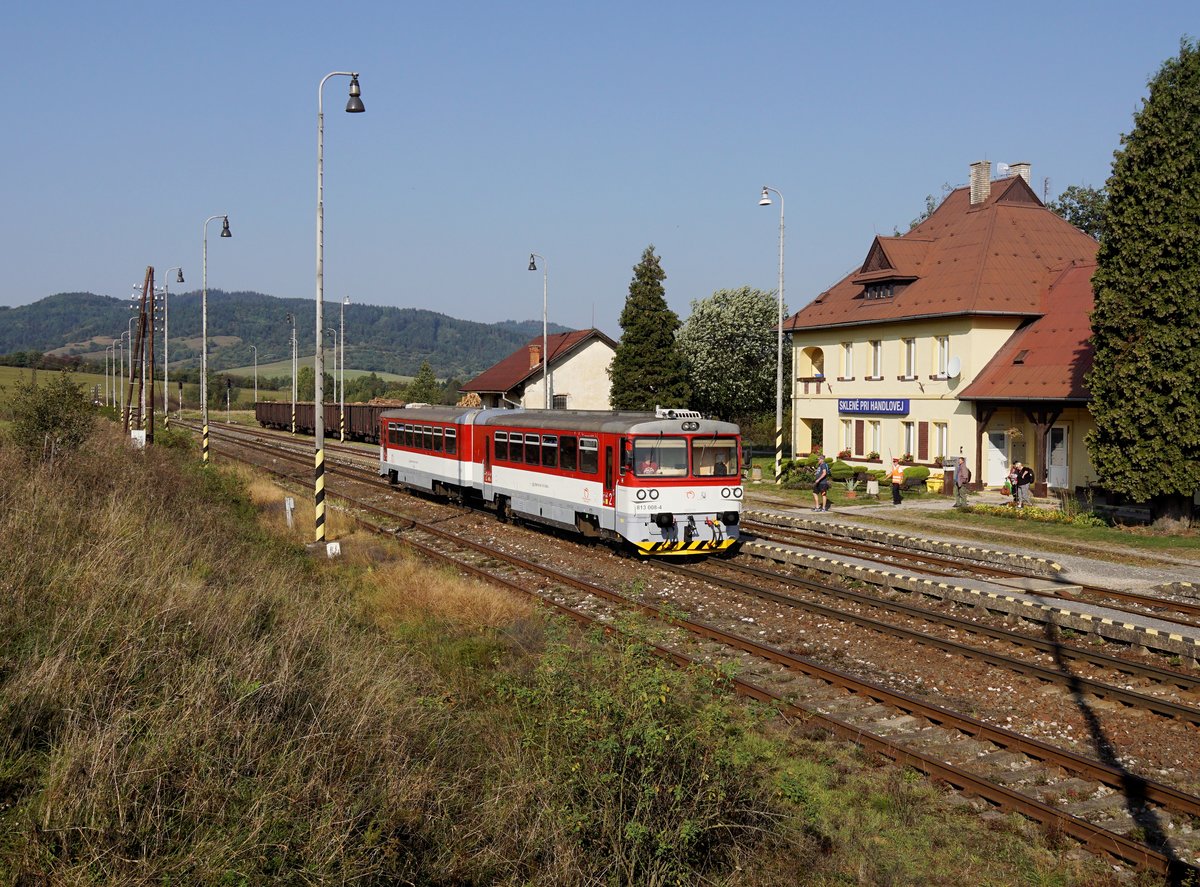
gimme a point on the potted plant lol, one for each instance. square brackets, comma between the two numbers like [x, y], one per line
[873, 456]
[851, 484]
[907, 458]
[844, 454]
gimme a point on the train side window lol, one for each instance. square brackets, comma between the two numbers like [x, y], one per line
[393, 435]
[550, 450]
[501, 439]
[427, 431]
[516, 447]
[532, 457]
[408, 435]
[451, 442]
[568, 452]
[589, 455]
[437, 440]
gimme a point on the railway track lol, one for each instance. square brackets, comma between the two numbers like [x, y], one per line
[961, 566]
[1055, 787]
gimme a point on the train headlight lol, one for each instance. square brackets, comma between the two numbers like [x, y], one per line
[730, 518]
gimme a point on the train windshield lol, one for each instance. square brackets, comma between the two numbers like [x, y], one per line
[660, 456]
[715, 456]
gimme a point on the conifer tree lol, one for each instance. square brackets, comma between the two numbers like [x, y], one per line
[648, 369]
[1145, 381]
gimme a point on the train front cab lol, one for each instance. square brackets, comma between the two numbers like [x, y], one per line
[680, 494]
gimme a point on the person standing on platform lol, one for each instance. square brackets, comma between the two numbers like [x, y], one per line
[897, 478]
[1024, 479]
[821, 485]
[962, 477]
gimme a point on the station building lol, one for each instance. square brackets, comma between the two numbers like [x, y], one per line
[968, 335]
[577, 365]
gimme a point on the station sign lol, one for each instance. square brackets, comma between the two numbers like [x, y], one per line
[873, 406]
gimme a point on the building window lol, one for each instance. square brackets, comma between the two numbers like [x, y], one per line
[910, 359]
[847, 360]
[943, 355]
[942, 439]
[910, 439]
[559, 402]
[876, 437]
[876, 360]
[847, 435]
[880, 291]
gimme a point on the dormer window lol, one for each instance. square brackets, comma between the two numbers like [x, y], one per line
[880, 291]
[1020, 358]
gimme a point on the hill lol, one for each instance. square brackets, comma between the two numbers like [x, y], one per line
[378, 338]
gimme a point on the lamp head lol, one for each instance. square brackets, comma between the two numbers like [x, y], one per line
[765, 200]
[179, 276]
[532, 263]
[225, 232]
[355, 105]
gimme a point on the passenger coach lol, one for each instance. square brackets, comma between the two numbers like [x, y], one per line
[667, 482]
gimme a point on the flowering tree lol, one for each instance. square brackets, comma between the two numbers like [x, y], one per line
[729, 344]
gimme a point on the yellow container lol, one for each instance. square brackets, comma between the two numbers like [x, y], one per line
[934, 483]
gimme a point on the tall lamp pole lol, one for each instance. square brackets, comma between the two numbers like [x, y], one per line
[353, 106]
[225, 232]
[129, 398]
[545, 280]
[292, 320]
[255, 350]
[766, 201]
[166, 347]
[342, 372]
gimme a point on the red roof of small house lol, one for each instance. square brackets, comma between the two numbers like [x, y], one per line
[1048, 358]
[519, 367]
[996, 257]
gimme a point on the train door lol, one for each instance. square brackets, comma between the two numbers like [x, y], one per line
[610, 474]
[487, 468]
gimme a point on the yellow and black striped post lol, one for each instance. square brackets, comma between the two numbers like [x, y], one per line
[204, 444]
[342, 426]
[779, 455]
[319, 496]
[293, 420]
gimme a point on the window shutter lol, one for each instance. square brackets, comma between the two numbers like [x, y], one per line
[922, 441]
[859, 434]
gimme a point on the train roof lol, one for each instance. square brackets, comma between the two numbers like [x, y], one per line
[616, 422]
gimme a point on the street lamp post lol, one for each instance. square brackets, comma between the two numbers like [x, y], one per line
[545, 281]
[129, 399]
[342, 372]
[122, 393]
[354, 105]
[107, 363]
[204, 336]
[166, 347]
[255, 350]
[765, 200]
[292, 320]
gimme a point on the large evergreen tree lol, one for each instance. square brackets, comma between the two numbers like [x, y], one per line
[1145, 383]
[648, 368]
[729, 345]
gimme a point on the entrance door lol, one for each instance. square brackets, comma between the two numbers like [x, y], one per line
[997, 458]
[1057, 457]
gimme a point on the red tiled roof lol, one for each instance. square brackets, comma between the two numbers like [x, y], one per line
[1048, 359]
[993, 258]
[515, 369]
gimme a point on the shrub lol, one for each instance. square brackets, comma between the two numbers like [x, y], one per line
[50, 419]
[916, 474]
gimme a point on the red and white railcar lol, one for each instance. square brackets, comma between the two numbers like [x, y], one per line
[667, 482]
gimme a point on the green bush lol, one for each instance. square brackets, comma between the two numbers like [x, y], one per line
[915, 474]
[50, 419]
[839, 470]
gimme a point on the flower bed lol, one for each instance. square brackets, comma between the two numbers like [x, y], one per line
[1040, 515]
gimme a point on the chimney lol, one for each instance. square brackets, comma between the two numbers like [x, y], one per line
[1020, 169]
[535, 356]
[981, 181]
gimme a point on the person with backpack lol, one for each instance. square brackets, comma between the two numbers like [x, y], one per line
[821, 485]
[1024, 480]
[962, 477]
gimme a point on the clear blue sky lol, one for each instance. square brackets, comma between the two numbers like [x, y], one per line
[579, 131]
